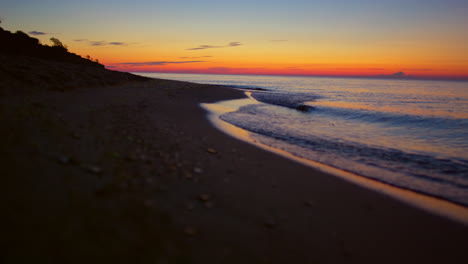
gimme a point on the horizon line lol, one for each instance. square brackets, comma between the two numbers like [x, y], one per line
[380, 77]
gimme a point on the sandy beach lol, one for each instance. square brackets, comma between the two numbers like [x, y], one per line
[133, 172]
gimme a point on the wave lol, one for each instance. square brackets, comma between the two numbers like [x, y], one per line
[304, 103]
[394, 119]
[248, 87]
[447, 176]
[289, 100]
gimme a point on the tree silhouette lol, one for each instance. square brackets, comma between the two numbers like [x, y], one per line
[58, 44]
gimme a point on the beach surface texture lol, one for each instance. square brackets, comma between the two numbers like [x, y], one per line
[107, 167]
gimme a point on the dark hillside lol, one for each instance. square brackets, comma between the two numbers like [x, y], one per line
[27, 66]
[20, 43]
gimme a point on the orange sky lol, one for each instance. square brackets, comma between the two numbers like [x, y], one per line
[298, 37]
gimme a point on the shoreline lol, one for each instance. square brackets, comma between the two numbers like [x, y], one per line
[138, 172]
[433, 205]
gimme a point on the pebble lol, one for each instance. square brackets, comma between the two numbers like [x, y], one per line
[204, 197]
[162, 188]
[197, 170]
[190, 206]
[270, 223]
[208, 204]
[148, 203]
[94, 169]
[212, 151]
[131, 157]
[63, 159]
[149, 180]
[190, 231]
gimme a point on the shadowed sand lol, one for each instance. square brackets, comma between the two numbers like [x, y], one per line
[135, 173]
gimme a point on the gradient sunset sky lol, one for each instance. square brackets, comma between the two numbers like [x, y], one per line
[295, 37]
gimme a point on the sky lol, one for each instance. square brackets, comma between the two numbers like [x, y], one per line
[397, 38]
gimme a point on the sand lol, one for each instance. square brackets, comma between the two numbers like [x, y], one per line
[135, 173]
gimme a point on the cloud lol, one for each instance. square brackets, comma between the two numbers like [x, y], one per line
[234, 44]
[117, 43]
[196, 57]
[102, 43]
[278, 40]
[154, 63]
[37, 33]
[205, 47]
[231, 44]
[233, 70]
[105, 43]
[96, 43]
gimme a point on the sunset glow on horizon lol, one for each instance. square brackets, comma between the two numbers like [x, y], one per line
[424, 39]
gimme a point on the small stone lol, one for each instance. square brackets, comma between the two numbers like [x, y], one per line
[190, 231]
[103, 192]
[73, 160]
[162, 188]
[212, 151]
[148, 203]
[197, 170]
[63, 159]
[190, 206]
[149, 180]
[188, 176]
[204, 197]
[94, 169]
[208, 204]
[270, 223]
[131, 157]
[38, 105]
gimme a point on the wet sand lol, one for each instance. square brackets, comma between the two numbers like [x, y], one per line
[135, 173]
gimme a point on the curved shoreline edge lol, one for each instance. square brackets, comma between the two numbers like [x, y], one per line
[427, 203]
[136, 171]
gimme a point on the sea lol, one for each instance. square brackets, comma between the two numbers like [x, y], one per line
[410, 134]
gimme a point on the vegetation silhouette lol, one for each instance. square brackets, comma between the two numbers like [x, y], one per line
[58, 44]
[27, 66]
[19, 43]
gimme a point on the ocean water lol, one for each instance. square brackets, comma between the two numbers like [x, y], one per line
[406, 133]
